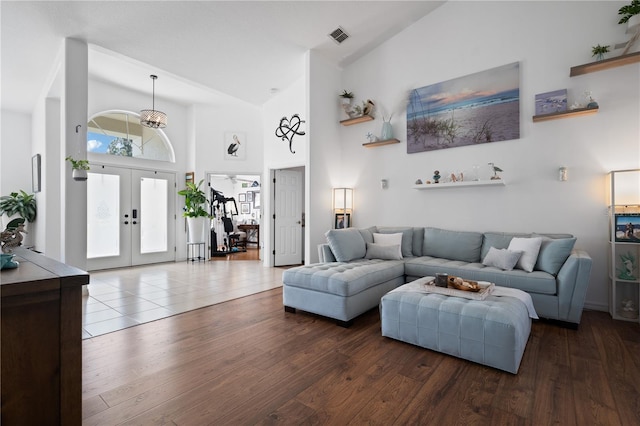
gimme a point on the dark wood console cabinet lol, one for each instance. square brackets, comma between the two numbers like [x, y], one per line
[41, 326]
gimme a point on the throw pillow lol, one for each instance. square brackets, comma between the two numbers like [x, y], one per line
[383, 251]
[387, 239]
[502, 258]
[553, 254]
[346, 244]
[530, 247]
[407, 237]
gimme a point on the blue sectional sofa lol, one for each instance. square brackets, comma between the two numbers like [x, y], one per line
[355, 272]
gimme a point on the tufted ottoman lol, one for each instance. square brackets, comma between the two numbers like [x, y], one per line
[340, 290]
[492, 332]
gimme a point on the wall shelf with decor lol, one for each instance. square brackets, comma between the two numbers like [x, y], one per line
[565, 114]
[623, 187]
[380, 143]
[447, 185]
[605, 64]
[356, 120]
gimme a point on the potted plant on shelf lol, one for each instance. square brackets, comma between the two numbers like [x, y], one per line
[346, 97]
[79, 168]
[630, 13]
[195, 201]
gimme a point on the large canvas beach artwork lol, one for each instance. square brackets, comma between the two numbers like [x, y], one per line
[478, 108]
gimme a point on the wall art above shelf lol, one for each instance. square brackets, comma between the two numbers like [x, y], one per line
[447, 185]
[356, 120]
[605, 64]
[564, 114]
[380, 143]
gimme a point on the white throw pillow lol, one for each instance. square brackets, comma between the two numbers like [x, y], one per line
[501, 258]
[387, 239]
[383, 251]
[530, 247]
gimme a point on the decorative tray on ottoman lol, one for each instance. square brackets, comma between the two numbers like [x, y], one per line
[481, 289]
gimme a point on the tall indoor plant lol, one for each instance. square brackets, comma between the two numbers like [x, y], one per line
[195, 202]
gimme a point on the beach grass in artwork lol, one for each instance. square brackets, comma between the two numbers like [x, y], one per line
[550, 102]
[478, 108]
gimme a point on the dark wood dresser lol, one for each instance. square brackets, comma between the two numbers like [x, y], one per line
[41, 326]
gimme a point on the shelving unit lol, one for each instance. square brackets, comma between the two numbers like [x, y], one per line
[447, 185]
[623, 188]
[380, 143]
[565, 114]
[352, 121]
[605, 64]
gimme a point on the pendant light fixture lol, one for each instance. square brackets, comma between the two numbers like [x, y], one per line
[151, 117]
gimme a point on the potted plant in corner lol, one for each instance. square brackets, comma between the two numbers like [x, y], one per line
[79, 168]
[195, 201]
[19, 207]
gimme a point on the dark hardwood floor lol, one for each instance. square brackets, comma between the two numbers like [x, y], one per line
[248, 362]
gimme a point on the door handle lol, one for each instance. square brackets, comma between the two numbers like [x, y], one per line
[126, 222]
[134, 222]
[299, 222]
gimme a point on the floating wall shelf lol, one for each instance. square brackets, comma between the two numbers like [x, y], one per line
[361, 119]
[496, 182]
[380, 143]
[564, 114]
[605, 64]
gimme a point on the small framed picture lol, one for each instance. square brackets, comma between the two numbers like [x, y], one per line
[343, 220]
[235, 145]
[628, 228]
[242, 197]
[550, 102]
[249, 197]
[245, 208]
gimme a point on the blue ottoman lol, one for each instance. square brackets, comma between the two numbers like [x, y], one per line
[493, 332]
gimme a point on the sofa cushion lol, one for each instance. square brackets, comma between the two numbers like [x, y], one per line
[367, 234]
[418, 241]
[343, 279]
[553, 254]
[502, 258]
[454, 245]
[346, 244]
[407, 237]
[388, 239]
[499, 240]
[530, 248]
[383, 251]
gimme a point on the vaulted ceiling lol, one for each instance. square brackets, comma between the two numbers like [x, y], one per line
[202, 51]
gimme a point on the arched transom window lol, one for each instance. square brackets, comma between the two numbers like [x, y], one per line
[120, 133]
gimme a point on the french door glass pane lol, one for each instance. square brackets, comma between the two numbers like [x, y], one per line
[153, 215]
[103, 215]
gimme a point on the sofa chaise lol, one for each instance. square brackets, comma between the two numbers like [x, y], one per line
[355, 271]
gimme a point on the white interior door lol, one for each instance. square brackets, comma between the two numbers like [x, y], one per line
[288, 220]
[130, 217]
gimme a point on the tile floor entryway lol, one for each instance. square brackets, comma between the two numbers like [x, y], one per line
[122, 298]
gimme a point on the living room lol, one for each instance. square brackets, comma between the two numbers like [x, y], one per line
[454, 40]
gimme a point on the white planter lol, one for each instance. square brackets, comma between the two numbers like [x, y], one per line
[633, 24]
[345, 101]
[79, 174]
[196, 226]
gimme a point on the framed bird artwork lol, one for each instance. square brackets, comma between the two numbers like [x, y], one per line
[235, 145]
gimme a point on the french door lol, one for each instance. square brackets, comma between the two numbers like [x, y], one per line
[130, 217]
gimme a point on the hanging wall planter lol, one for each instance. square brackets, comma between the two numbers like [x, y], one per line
[79, 168]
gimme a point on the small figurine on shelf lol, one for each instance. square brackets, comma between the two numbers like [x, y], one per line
[496, 169]
[419, 182]
[436, 176]
[591, 103]
[628, 265]
[371, 137]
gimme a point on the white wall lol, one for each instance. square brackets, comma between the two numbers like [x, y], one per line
[15, 152]
[461, 38]
[292, 100]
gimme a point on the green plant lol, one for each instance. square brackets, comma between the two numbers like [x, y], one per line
[19, 203]
[628, 11]
[346, 95]
[195, 200]
[78, 164]
[599, 50]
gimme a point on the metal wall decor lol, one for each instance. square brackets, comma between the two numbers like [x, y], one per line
[288, 128]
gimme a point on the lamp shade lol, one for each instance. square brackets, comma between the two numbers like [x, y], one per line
[342, 200]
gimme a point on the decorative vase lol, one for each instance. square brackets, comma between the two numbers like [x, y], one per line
[78, 174]
[196, 227]
[387, 131]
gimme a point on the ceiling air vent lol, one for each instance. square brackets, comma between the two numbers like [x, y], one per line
[339, 35]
